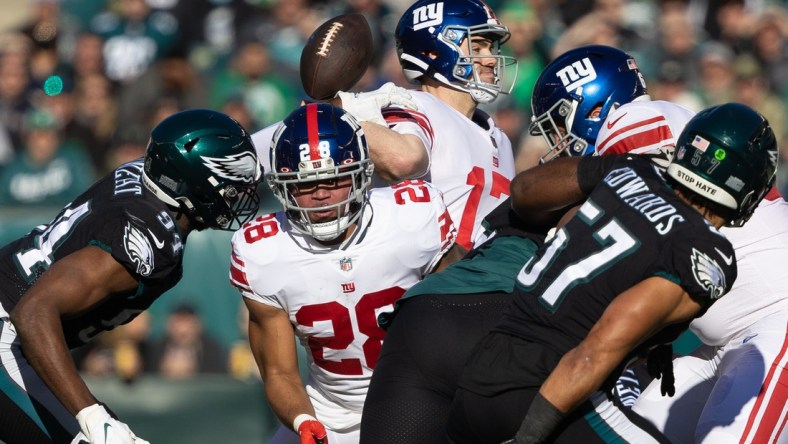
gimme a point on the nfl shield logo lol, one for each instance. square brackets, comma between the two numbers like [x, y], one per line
[345, 264]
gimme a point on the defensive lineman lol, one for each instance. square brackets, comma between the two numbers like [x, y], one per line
[733, 388]
[104, 259]
[580, 311]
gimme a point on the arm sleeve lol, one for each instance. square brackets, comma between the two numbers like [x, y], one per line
[592, 169]
[698, 266]
[133, 243]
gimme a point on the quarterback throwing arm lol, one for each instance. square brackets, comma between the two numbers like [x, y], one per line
[473, 182]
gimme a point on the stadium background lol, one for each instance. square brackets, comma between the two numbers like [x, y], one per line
[92, 77]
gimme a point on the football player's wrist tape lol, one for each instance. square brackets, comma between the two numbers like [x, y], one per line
[540, 421]
[301, 418]
[310, 429]
[366, 106]
[99, 426]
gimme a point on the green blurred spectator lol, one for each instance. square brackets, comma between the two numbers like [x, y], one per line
[48, 172]
[134, 38]
[526, 30]
[268, 96]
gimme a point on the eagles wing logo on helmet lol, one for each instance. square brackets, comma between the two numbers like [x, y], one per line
[239, 167]
[708, 274]
[138, 249]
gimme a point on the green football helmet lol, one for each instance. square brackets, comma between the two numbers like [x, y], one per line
[728, 155]
[203, 164]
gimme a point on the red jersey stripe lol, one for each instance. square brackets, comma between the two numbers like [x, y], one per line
[394, 116]
[663, 128]
[770, 402]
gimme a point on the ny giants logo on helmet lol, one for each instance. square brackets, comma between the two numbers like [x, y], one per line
[577, 74]
[239, 167]
[428, 15]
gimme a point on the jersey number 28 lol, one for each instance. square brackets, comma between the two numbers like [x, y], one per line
[366, 310]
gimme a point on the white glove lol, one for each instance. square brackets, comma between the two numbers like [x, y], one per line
[99, 427]
[366, 106]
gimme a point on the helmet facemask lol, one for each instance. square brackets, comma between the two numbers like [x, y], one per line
[465, 76]
[226, 208]
[285, 185]
[319, 145]
[242, 203]
[555, 125]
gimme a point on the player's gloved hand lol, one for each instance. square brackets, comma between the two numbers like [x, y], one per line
[660, 365]
[366, 106]
[99, 427]
[310, 429]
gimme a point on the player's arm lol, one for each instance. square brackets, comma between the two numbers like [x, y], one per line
[542, 194]
[396, 156]
[632, 317]
[70, 286]
[455, 253]
[273, 344]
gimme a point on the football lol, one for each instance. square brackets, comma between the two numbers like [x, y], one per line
[336, 56]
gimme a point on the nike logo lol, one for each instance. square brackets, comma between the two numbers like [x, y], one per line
[747, 339]
[611, 124]
[159, 244]
[727, 259]
[106, 427]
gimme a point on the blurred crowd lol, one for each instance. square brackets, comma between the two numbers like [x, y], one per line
[82, 82]
[183, 351]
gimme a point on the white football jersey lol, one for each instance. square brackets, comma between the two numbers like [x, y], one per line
[642, 126]
[471, 161]
[761, 287]
[333, 296]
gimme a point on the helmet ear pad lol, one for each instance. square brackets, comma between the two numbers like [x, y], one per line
[203, 164]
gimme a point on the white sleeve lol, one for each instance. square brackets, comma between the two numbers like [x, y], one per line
[262, 144]
[238, 275]
[641, 127]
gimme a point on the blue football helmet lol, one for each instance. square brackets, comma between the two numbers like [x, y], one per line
[433, 38]
[318, 143]
[575, 84]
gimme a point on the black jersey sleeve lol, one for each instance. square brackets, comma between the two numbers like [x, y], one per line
[144, 247]
[703, 263]
[592, 169]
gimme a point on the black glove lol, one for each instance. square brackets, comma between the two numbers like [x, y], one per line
[660, 365]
